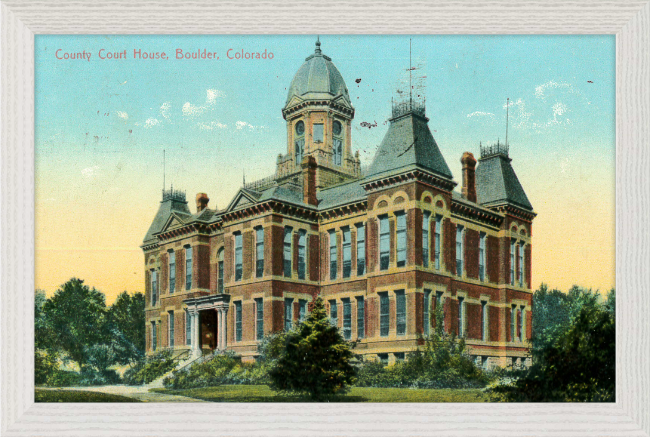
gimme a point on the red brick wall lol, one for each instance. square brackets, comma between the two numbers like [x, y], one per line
[228, 259]
[277, 243]
[372, 244]
[391, 227]
[147, 287]
[180, 270]
[324, 256]
[492, 258]
[268, 251]
[201, 266]
[494, 323]
[471, 253]
[449, 249]
[453, 315]
[473, 320]
[418, 308]
[528, 265]
[294, 251]
[247, 254]
[314, 258]
[164, 273]
[504, 260]
[508, 313]
[413, 237]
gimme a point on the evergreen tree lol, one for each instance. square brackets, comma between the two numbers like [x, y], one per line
[315, 360]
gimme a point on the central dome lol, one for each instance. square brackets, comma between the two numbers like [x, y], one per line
[318, 78]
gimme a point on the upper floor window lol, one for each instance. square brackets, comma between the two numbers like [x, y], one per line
[172, 271]
[337, 151]
[334, 314]
[426, 314]
[400, 312]
[238, 256]
[259, 252]
[461, 317]
[460, 256]
[425, 238]
[259, 319]
[361, 317]
[347, 318]
[481, 257]
[384, 243]
[437, 236]
[384, 314]
[520, 253]
[238, 320]
[513, 244]
[302, 254]
[361, 249]
[347, 253]
[401, 238]
[154, 287]
[288, 313]
[288, 232]
[300, 150]
[220, 271]
[188, 267]
[318, 132]
[333, 266]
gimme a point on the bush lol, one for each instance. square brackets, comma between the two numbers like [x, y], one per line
[221, 369]
[45, 365]
[64, 378]
[149, 369]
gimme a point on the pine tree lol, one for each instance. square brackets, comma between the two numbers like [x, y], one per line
[315, 360]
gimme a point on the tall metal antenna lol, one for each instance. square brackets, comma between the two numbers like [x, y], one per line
[410, 78]
[163, 169]
[507, 107]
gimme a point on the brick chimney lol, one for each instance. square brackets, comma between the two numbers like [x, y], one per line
[201, 202]
[469, 176]
[309, 180]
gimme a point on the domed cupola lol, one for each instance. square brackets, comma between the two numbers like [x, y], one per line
[317, 79]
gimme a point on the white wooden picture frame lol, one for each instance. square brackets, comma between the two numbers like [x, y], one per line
[628, 20]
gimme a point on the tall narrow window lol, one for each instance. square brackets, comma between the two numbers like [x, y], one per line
[300, 150]
[522, 332]
[334, 314]
[361, 317]
[361, 250]
[520, 250]
[172, 271]
[484, 321]
[425, 238]
[513, 243]
[318, 133]
[154, 287]
[401, 238]
[171, 328]
[400, 312]
[288, 313]
[337, 146]
[384, 314]
[239, 261]
[188, 267]
[238, 323]
[481, 257]
[426, 314]
[513, 323]
[288, 232]
[461, 317]
[154, 336]
[302, 254]
[459, 250]
[347, 318]
[259, 319]
[188, 327]
[302, 310]
[438, 232]
[347, 253]
[220, 271]
[333, 267]
[384, 243]
[259, 252]
[440, 309]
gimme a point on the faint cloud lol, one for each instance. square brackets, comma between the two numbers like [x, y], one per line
[123, 115]
[164, 109]
[244, 125]
[540, 90]
[151, 122]
[211, 126]
[90, 171]
[480, 114]
[190, 110]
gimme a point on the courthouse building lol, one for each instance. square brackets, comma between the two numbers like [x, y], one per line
[384, 247]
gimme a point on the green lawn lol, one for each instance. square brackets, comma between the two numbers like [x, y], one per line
[78, 396]
[262, 393]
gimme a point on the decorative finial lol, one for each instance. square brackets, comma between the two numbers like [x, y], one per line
[317, 51]
[244, 173]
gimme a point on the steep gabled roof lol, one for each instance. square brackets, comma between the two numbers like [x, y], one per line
[408, 144]
[170, 205]
[497, 183]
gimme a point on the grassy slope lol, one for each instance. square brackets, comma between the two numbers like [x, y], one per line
[262, 393]
[78, 396]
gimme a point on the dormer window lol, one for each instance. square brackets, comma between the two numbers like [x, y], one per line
[318, 133]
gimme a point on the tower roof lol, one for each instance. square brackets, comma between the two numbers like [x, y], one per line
[497, 182]
[318, 78]
[408, 144]
[173, 202]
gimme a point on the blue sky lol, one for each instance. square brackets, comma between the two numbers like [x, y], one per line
[101, 125]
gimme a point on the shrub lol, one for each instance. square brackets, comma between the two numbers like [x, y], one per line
[64, 378]
[221, 369]
[45, 365]
[149, 369]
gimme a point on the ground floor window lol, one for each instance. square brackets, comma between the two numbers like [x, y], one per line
[171, 329]
[383, 359]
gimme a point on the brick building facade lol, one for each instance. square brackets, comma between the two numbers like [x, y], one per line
[384, 248]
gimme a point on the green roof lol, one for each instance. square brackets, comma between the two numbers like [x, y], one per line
[497, 183]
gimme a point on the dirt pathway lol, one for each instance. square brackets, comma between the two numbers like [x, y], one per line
[141, 393]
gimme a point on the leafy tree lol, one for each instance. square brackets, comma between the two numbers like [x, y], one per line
[126, 326]
[315, 359]
[76, 315]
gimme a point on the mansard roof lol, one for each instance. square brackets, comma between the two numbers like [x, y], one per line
[173, 203]
[340, 195]
[407, 145]
[497, 183]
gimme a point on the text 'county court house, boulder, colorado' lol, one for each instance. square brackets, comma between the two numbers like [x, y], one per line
[384, 247]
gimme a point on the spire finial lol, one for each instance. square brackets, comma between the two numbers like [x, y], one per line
[317, 45]
[244, 174]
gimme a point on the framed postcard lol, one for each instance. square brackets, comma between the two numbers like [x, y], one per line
[349, 227]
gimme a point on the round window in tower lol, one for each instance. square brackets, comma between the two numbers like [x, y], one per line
[336, 127]
[300, 128]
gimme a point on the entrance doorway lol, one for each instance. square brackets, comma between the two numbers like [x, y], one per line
[209, 329]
